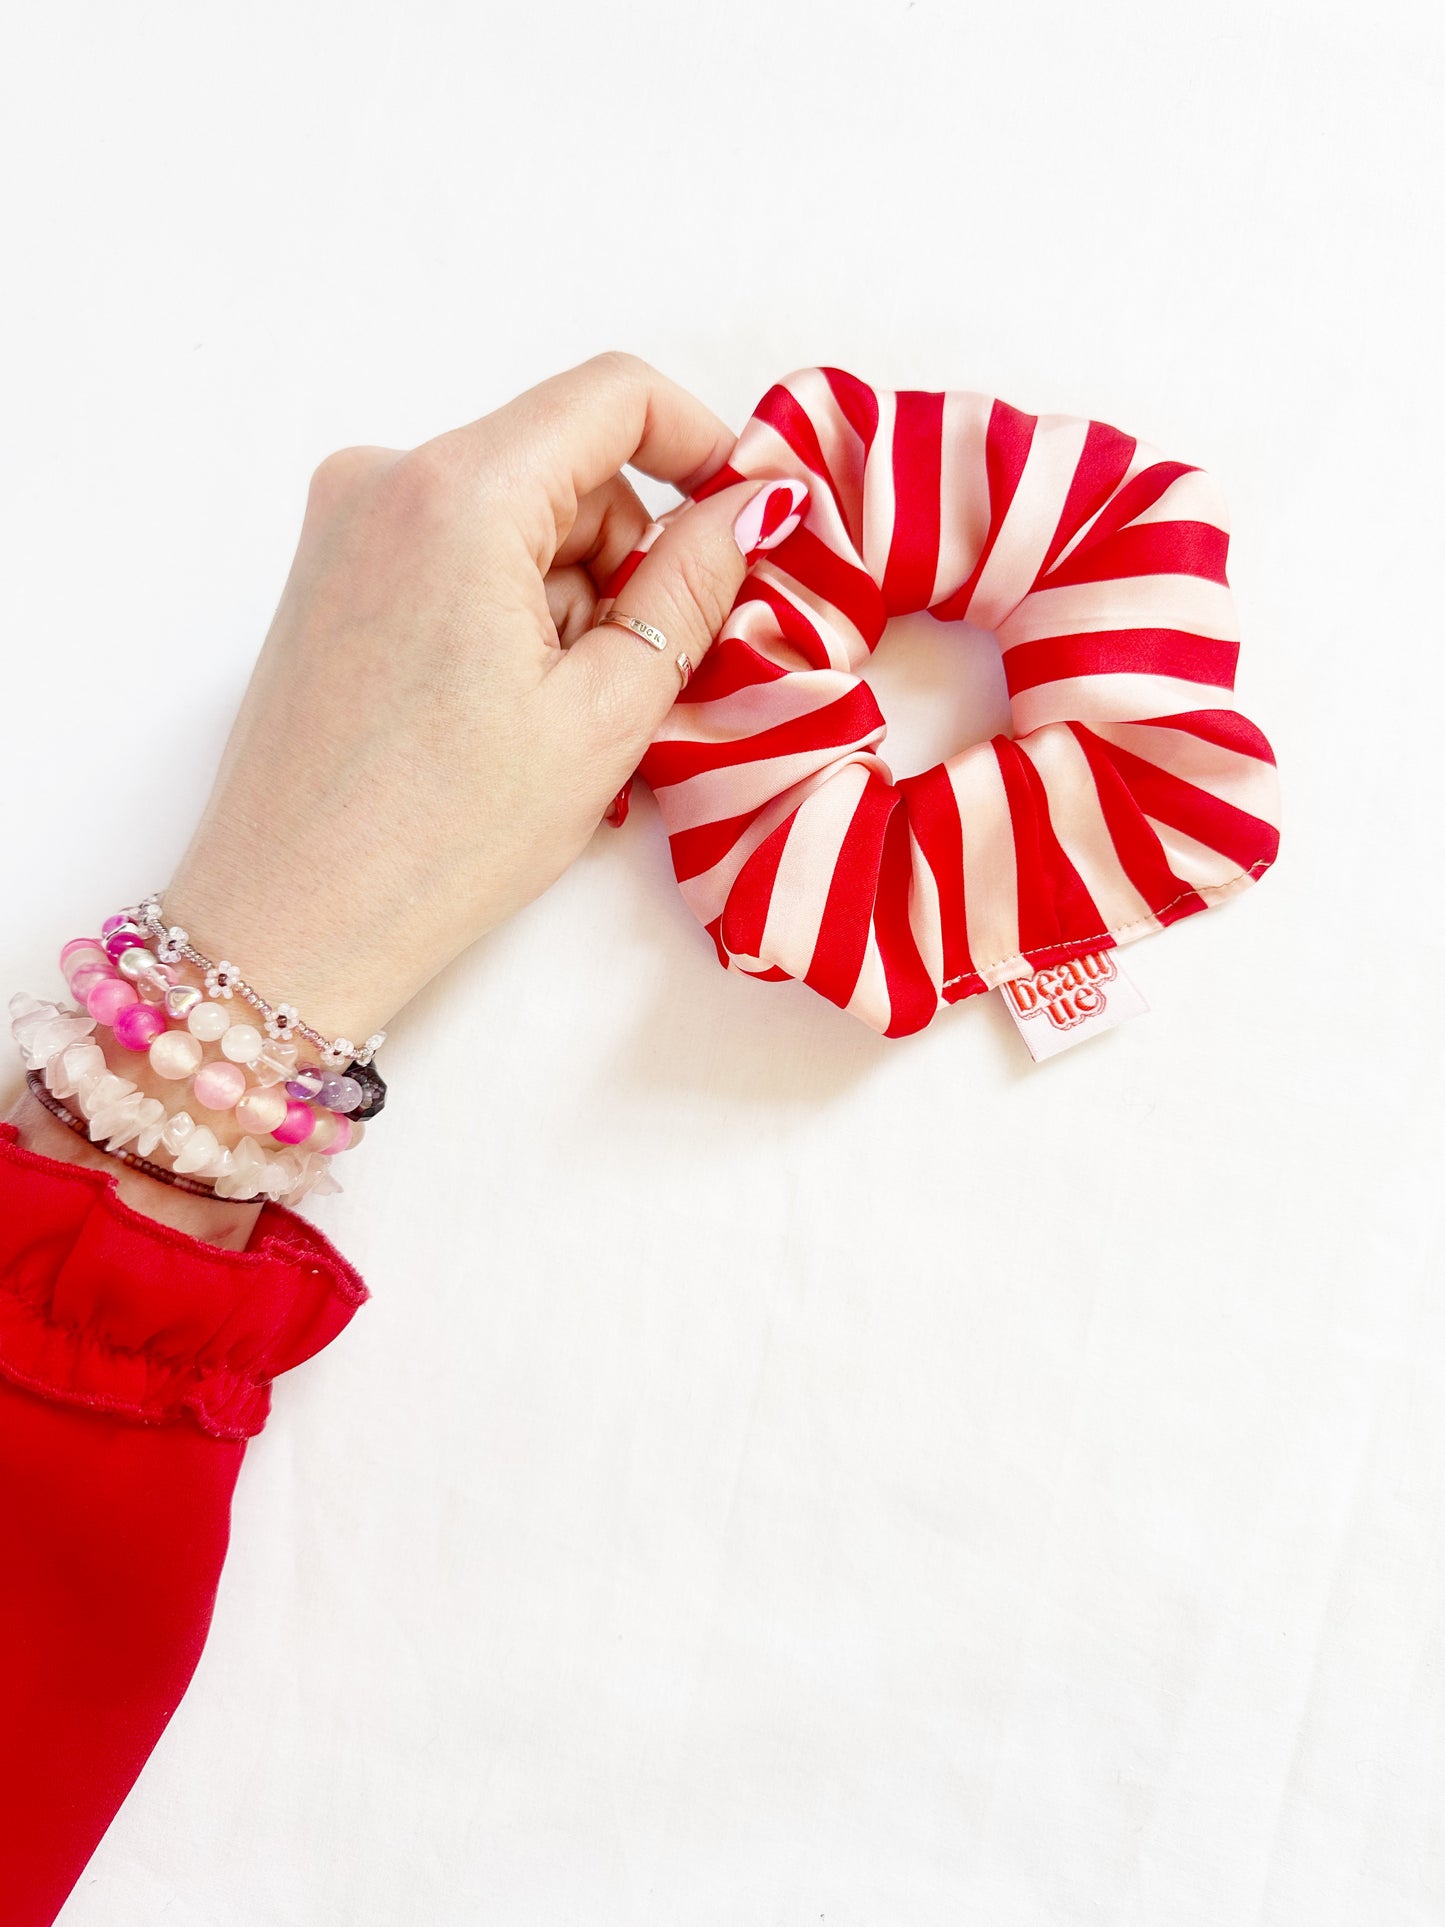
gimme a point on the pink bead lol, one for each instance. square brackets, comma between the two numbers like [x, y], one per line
[344, 1130]
[138, 1026]
[85, 977]
[114, 923]
[219, 1085]
[261, 1110]
[79, 947]
[109, 997]
[127, 937]
[298, 1123]
[175, 1054]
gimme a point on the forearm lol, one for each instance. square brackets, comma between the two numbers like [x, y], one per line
[436, 726]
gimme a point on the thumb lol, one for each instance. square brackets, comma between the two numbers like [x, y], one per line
[680, 590]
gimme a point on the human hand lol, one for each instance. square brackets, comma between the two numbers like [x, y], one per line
[435, 727]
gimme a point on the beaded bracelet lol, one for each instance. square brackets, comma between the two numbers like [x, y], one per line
[154, 979]
[58, 1045]
[144, 997]
[223, 980]
[132, 1158]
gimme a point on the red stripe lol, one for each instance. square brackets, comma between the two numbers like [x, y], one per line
[1151, 548]
[1010, 436]
[730, 665]
[1244, 839]
[1133, 498]
[912, 566]
[1223, 726]
[1103, 652]
[843, 585]
[857, 403]
[1054, 902]
[1136, 844]
[745, 913]
[933, 811]
[849, 722]
[782, 411]
[912, 999]
[621, 573]
[697, 850]
[848, 912]
[724, 478]
[793, 623]
[1103, 464]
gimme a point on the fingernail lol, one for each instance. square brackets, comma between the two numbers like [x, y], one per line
[770, 517]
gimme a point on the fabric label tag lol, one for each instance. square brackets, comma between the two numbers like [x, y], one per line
[1068, 1002]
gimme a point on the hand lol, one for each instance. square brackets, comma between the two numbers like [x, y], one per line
[434, 728]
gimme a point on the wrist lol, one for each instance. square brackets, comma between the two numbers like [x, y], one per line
[152, 1068]
[224, 1222]
[292, 959]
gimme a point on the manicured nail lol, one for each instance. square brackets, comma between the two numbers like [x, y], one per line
[770, 517]
[617, 808]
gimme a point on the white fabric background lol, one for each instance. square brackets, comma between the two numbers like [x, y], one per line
[786, 1476]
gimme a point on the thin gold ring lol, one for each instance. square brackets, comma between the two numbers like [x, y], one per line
[639, 628]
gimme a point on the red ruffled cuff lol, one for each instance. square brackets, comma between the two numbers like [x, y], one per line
[103, 1307]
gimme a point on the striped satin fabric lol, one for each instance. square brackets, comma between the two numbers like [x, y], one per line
[1130, 792]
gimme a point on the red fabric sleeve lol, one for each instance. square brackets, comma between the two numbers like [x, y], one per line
[134, 1364]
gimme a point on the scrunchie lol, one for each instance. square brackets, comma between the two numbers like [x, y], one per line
[1131, 792]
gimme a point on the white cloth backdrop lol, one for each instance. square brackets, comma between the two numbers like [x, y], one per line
[783, 1475]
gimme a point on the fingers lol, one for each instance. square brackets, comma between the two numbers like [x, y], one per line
[611, 584]
[571, 603]
[682, 587]
[585, 424]
[609, 520]
[611, 535]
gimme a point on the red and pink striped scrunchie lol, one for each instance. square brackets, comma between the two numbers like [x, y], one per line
[1131, 793]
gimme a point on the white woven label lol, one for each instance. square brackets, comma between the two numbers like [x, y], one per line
[1068, 1002]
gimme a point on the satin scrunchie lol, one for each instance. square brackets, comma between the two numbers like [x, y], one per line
[1131, 792]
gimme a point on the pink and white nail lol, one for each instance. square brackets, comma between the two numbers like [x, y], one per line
[770, 517]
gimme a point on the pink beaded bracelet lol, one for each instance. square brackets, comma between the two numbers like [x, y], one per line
[223, 980]
[64, 1115]
[139, 993]
[58, 1045]
[169, 1002]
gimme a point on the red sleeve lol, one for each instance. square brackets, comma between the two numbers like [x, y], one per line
[135, 1362]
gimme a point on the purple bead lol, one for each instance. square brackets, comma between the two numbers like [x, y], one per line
[126, 936]
[339, 1093]
[307, 1082]
[138, 1026]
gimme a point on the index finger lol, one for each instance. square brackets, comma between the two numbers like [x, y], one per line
[585, 423]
